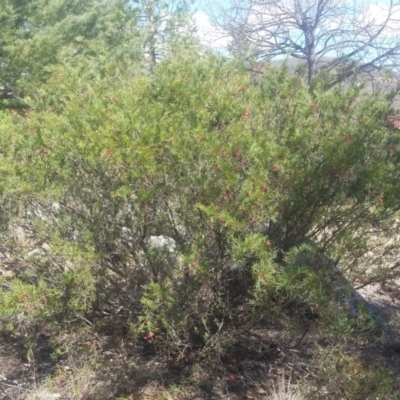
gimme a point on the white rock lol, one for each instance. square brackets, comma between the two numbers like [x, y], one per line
[46, 247]
[55, 207]
[38, 213]
[162, 242]
[20, 236]
[36, 252]
[126, 231]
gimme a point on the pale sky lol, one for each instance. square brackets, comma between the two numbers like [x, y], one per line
[376, 12]
[209, 35]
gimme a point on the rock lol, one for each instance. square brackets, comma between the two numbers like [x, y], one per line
[46, 247]
[20, 236]
[55, 207]
[36, 252]
[126, 231]
[161, 243]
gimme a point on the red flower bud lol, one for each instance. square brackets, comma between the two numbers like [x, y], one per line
[246, 114]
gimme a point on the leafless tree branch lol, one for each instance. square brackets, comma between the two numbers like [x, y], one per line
[342, 34]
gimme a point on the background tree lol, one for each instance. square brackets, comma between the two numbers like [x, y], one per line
[160, 23]
[333, 33]
[39, 34]
[36, 35]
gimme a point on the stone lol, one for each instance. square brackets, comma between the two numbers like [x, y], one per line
[20, 236]
[36, 252]
[46, 247]
[161, 243]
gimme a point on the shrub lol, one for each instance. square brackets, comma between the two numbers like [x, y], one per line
[268, 190]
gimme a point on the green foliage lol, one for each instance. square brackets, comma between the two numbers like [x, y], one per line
[30, 304]
[268, 189]
[40, 34]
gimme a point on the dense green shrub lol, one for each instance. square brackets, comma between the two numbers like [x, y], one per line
[267, 188]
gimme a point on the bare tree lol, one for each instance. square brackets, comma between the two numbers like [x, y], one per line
[354, 35]
[160, 21]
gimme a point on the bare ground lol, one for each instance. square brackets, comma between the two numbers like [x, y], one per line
[134, 371]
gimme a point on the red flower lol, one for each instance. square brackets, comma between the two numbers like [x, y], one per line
[149, 337]
[313, 108]
[229, 195]
[246, 114]
[394, 121]
[237, 152]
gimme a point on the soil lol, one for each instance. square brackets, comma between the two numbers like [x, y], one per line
[128, 369]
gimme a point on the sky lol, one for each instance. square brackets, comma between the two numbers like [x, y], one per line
[217, 39]
[209, 35]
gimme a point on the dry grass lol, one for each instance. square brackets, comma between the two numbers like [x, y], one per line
[284, 390]
[69, 384]
[41, 393]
